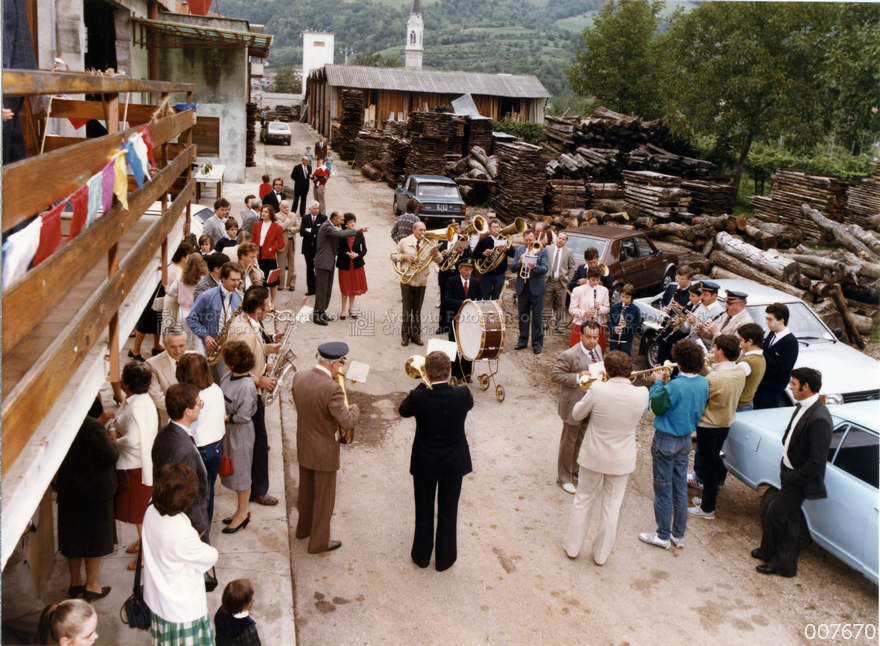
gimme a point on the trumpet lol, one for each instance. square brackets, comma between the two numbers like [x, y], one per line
[423, 258]
[415, 368]
[588, 380]
[534, 249]
[491, 261]
[460, 242]
[345, 436]
[709, 359]
[667, 366]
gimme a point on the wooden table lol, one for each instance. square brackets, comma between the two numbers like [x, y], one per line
[215, 177]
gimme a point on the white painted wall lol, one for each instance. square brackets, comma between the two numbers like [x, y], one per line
[317, 51]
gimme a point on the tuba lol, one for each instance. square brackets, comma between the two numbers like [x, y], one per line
[415, 368]
[213, 356]
[284, 358]
[460, 243]
[423, 258]
[534, 249]
[487, 264]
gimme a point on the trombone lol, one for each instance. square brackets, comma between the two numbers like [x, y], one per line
[534, 249]
[415, 368]
[487, 264]
[460, 242]
[423, 258]
[667, 366]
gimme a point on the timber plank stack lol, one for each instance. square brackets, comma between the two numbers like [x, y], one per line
[521, 181]
[478, 133]
[369, 146]
[710, 198]
[250, 139]
[658, 195]
[565, 195]
[604, 191]
[863, 199]
[350, 122]
[429, 134]
[794, 188]
[393, 159]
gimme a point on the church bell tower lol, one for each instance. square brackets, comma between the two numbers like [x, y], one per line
[414, 29]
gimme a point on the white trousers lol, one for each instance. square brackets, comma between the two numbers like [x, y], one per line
[609, 489]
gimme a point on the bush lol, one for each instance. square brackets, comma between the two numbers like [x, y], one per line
[529, 131]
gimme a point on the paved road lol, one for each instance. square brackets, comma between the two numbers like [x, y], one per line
[512, 583]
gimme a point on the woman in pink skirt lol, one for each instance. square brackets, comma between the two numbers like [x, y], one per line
[350, 263]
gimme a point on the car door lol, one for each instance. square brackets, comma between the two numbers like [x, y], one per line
[652, 264]
[631, 265]
[846, 522]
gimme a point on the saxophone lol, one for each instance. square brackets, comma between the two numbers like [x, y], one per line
[213, 356]
[487, 264]
[283, 362]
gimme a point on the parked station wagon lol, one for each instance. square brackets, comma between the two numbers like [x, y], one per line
[439, 201]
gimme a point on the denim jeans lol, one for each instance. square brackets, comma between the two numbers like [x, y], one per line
[670, 455]
[211, 457]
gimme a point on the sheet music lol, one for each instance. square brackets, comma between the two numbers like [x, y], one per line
[357, 372]
[596, 368]
[449, 348]
[305, 314]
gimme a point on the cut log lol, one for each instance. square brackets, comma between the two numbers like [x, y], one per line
[786, 235]
[840, 265]
[769, 262]
[841, 233]
[830, 315]
[488, 162]
[645, 222]
[750, 272]
[476, 165]
[372, 172]
[762, 239]
[696, 234]
[851, 330]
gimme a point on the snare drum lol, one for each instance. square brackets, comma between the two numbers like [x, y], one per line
[479, 330]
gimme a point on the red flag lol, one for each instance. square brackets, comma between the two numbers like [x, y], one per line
[149, 143]
[50, 233]
[80, 201]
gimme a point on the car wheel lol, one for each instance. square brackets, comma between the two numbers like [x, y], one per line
[615, 294]
[397, 210]
[652, 350]
[668, 278]
[804, 538]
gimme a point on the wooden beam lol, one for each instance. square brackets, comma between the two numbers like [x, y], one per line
[70, 109]
[71, 167]
[40, 290]
[33, 397]
[35, 82]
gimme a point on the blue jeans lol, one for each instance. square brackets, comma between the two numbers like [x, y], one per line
[211, 457]
[670, 455]
[746, 407]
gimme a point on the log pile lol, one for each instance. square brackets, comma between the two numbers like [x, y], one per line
[369, 147]
[657, 195]
[393, 159]
[564, 195]
[427, 156]
[251, 116]
[350, 122]
[605, 191]
[478, 133]
[283, 113]
[475, 175]
[791, 189]
[863, 199]
[521, 184]
[710, 198]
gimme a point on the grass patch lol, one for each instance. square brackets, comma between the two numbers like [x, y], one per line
[875, 334]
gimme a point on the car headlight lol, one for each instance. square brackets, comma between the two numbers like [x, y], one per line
[832, 400]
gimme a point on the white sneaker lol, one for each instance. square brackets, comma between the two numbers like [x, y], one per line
[652, 539]
[696, 500]
[569, 488]
[693, 482]
[677, 542]
[699, 513]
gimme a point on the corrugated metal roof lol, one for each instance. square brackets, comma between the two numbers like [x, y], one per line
[436, 81]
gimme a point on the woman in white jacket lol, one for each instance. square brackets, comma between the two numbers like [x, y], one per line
[135, 426]
[175, 562]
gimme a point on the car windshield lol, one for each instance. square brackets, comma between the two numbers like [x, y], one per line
[579, 244]
[803, 323]
[278, 127]
[437, 190]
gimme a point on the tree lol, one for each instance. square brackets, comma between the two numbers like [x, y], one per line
[749, 70]
[616, 63]
[375, 59]
[286, 81]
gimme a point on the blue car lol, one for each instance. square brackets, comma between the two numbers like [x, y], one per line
[846, 522]
[439, 200]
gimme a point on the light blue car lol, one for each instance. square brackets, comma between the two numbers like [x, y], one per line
[846, 522]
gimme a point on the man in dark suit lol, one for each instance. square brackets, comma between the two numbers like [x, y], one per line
[530, 295]
[780, 353]
[492, 282]
[175, 443]
[308, 229]
[300, 176]
[440, 459]
[274, 197]
[327, 247]
[320, 148]
[460, 288]
[805, 445]
[591, 259]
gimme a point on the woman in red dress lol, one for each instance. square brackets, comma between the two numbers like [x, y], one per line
[350, 263]
[270, 239]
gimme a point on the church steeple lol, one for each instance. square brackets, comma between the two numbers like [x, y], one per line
[414, 29]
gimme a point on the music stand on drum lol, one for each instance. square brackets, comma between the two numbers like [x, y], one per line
[479, 335]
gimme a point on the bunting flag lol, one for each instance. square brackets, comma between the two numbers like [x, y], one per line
[180, 107]
[148, 142]
[79, 221]
[141, 149]
[50, 232]
[19, 250]
[76, 123]
[134, 161]
[120, 184]
[96, 192]
[107, 183]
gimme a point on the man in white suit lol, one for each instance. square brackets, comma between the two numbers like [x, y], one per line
[607, 455]
[570, 366]
[164, 368]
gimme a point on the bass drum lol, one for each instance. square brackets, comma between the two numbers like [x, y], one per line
[479, 330]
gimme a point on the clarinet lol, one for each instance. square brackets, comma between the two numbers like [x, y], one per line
[698, 327]
[621, 320]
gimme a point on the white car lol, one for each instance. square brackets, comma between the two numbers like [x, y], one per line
[847, 374]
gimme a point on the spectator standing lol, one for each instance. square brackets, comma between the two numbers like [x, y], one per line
[265, 187]
[273, 198]
[403, 228]
[300, 176]
[214, 226]
[164, 367]
[250, 214]
[309, 232]
[233, 621]
[350, 263]
[134, 429]
[69, 623]
[321, 149]
[170, 305]
[175, 562]
[270, 239]
[287, 256]
[325, 262]
[206, 245]
[215, 263]
[230, 240]
[184, 288]
[320, 177]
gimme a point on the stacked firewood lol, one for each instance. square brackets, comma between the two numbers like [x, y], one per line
[710, 198]
[250, 139]
[863, 200]
[369, 146]
[521, 181]
[564, 195]
[283, 113]
[479, 133]
[792, 189]
[350, 122]
[657, 195]
[475, 175]
[392, 161]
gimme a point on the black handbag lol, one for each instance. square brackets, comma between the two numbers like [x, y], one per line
[135, 608]
[211, 580]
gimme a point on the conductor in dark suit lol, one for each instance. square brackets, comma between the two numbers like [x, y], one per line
[300, 176]
[276, 195]
[805, 445]
[308, 229]
[459, 288]
[530, 295]
[440, 459]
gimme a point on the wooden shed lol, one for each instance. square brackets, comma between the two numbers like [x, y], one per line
[393, 92]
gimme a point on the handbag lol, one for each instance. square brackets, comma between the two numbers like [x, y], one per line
[135, 609]
[211, 580]
[226, 468]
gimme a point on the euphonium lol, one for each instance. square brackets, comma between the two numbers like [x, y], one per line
[534, 249]
[487, 264]
[415, 368]
[423, 258]
[460, 242]
[284, 358]
[213, 356]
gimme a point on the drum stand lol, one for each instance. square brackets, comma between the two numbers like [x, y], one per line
[484, 379]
